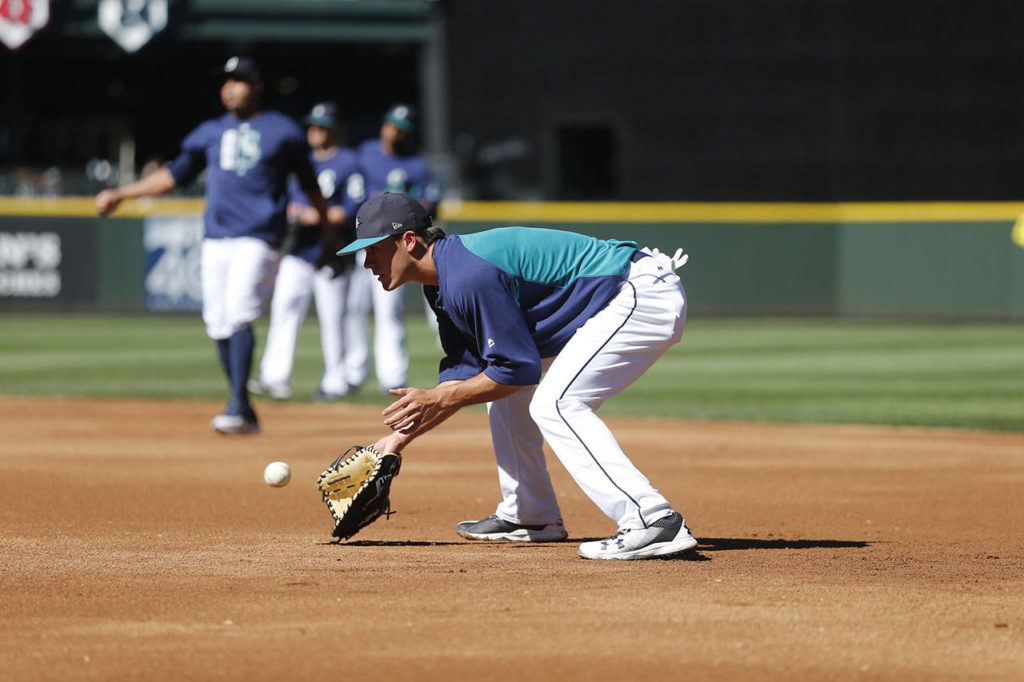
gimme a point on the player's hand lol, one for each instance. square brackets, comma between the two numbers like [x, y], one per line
[309, 216]
[394, 442]
[416, 410]
[107, 201]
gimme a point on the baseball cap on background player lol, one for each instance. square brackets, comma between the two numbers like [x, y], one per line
[323, 114]
[239, 68]
[387, 215]
[402, 116]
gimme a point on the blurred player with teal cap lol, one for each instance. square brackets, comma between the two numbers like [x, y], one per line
[389, 163]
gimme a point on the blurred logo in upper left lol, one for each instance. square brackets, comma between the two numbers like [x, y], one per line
[132, 23]
[22, 19]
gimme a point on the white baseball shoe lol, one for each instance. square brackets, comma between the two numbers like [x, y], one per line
[258, 387]
[494, 528]
[663, 538]
[234, 425]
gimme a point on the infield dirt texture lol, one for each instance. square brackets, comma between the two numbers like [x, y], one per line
[137, 544]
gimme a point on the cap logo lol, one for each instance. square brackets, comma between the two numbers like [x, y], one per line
[401, 112]
[319, 110]
[396, 226]
[232, 64]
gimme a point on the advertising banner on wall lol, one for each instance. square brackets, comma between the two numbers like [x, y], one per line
[173, 255]
[46, 262]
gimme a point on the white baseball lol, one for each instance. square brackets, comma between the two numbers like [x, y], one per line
[277, 474]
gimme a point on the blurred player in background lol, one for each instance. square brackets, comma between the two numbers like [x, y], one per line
[387, 164]
[249, 154]
[543, 326]
[298, 278]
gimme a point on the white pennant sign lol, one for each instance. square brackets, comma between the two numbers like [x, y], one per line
[132, 23]
[21, 19]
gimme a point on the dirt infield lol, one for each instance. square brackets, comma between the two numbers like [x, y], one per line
[137, 544]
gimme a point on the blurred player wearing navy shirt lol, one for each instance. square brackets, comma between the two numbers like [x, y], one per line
[387, 164]
[248, 154]
[299, 279]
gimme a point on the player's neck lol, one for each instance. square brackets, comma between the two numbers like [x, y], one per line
[427, 268]
[245, 113]
[324, 153]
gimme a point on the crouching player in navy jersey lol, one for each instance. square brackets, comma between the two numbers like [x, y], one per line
[249, 154]
[543, 326]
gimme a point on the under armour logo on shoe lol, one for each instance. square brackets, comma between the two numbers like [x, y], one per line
[619, 541]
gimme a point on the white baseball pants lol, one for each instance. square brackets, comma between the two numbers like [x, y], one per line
[607, 354]
[237, 275]
[297, 282]
[391, 358]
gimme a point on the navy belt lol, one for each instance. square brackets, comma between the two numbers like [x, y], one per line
[638, 255]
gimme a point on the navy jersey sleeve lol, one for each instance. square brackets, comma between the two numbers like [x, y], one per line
[488, 304]
[459, 362]
[192, 159]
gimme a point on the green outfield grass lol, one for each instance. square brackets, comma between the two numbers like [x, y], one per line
[929, 374]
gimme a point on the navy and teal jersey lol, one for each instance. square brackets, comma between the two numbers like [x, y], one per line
[248, 162]
[332, 174]
[408, 174]
[509, 296]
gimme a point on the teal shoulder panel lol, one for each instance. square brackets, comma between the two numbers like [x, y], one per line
[550, 257]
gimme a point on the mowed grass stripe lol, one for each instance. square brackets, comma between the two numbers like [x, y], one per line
[804, 370]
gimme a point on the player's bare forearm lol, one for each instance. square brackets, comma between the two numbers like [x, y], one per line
[310, 216]
[158, 182]
[418, 410]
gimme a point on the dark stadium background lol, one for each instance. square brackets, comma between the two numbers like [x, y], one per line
[684, 100]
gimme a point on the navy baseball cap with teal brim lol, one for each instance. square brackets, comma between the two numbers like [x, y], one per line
[324, 114]
[387, 215]
[402, 116]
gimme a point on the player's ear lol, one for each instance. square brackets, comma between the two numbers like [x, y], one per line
[409, 241]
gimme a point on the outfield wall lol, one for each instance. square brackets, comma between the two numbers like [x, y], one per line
[947, 260]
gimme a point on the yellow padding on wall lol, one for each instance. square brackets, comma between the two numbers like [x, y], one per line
[511, 212]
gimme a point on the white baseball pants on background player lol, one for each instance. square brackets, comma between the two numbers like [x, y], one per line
[237, 275]
[391, 358]
[607, 354]
[298, 281]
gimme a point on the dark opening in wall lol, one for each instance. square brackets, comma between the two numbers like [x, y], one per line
[588, 163]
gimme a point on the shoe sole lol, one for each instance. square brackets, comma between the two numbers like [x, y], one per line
[238, 432]
[657, 550]
[243, 430]
[521, 535]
